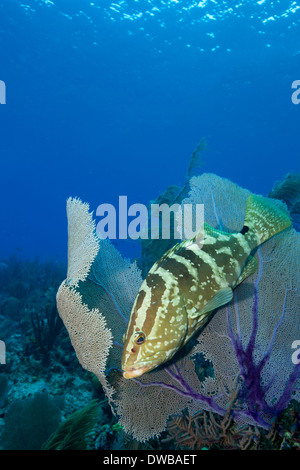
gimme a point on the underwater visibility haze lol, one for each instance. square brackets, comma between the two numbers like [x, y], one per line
[161, 101]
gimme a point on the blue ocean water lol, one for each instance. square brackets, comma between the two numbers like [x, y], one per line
[111, 98]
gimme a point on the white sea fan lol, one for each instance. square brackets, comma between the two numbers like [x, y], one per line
[88, 332]
[83, 244]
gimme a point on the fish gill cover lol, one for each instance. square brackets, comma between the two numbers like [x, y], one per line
[247, 342]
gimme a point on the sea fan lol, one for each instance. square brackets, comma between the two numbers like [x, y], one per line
[248, 342]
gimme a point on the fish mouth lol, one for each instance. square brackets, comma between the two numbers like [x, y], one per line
[131, 373]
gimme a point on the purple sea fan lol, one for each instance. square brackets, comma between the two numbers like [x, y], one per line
[248, 342]
[256, 330]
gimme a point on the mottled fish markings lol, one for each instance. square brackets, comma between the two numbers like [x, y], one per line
[188, 283]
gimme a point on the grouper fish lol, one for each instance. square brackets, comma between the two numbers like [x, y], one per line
[190, 281]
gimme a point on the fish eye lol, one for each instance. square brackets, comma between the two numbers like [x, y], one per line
[140, 339]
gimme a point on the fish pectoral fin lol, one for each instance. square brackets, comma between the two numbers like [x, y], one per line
[249, 269]
[222, 297]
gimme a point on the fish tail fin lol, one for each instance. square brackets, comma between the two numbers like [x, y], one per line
[266, 217]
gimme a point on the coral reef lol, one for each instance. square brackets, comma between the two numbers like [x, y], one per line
[248, 397]
[207, 430]
[288, 192]
[77, 431]
[254, 332]
[28, 423]
[4, 388]
[46, 330]
[41, 362]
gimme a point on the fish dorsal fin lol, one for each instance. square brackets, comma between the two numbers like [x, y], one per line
[222, 297]
[249, 269]
[204, 233]
[214, 232]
